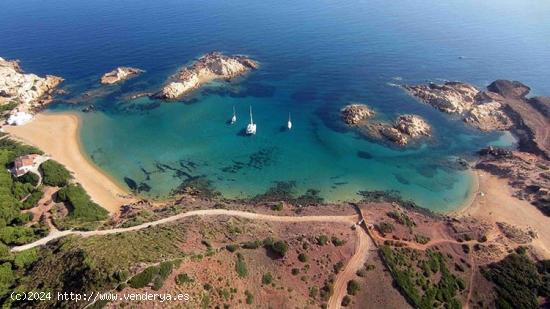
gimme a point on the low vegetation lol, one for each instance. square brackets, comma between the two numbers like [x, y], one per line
[240, 266]
[519, 281]
[153, 276]
[83, 213]
[54, 174]
[423, 277]
[13, 229]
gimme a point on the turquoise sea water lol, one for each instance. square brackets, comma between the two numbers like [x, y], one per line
[316, 56]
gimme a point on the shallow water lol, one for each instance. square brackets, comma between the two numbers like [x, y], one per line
[316, 56]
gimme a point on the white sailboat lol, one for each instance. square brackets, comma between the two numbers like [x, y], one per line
[251, 127]
[234, 118]
[289, 123]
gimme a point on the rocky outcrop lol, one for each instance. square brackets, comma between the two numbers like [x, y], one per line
[478, 109]
[353, 114]
[209, 67]
[119, 74]
[510, 89]
[451, 97]
[401, 132]
[488, 116]
[413, 125]
[27, 90]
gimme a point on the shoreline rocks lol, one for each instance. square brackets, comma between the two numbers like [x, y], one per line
[355, 113]
[27, 91]
[119, 74]
[212, 66]
[479, 109]
[404, 129]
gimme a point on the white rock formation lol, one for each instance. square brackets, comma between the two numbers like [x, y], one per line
[209, 67]
[28, 90]
[451, 97]
[353, 114]
[119, 74]
[413, 125]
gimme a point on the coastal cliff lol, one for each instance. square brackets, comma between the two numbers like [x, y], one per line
[119, 74]
[209, 67]
[404, 129]
[24, 91]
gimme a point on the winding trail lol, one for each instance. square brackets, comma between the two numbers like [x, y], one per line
[205, 212]
[340, 287]
[355, 263]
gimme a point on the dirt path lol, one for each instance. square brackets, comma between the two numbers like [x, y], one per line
[340, 286]
[206, 212]
[355, 263]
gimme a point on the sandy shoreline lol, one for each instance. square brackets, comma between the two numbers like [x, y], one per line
[57, 134]
[493, 202]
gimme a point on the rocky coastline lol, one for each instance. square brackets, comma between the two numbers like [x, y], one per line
[119, 74]
[22, 92]
[480, 109]
[212, 66]
[400, 132]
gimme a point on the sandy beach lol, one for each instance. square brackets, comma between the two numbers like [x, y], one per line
[493, 202]
[58, 136]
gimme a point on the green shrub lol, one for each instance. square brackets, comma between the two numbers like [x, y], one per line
[31, 201]
[183, 278]
[353, 287]
[277, 207]
[295, 271]
[231, 248]
[313, 291]
[385, 227]
[7, 278]
[81, 208]
[421, 239]
[401, 218]
[338, 267]
[144, 278]
[249, 297]
[280, 247]
[251, 244]
[30, 178]
[267, 278]
[322, 240]
[518, 281]
[54, 174]
[17, 235]
[240, 266]
[346, 301]
[302, 257]
[337, 242]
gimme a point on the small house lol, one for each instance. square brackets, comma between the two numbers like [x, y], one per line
[24, 164]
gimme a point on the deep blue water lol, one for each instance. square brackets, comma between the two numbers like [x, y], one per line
[315, 56]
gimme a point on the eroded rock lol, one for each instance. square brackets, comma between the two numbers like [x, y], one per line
[404, 129]
[209, 67]
[353, 114]
[119, 74]
[27, 90]
[451, 97]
